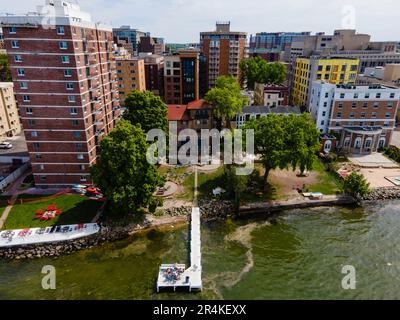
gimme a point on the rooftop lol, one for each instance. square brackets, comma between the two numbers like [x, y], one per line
[176, 112]
[277, 110]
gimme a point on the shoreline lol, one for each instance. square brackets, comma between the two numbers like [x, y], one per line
[211, 211]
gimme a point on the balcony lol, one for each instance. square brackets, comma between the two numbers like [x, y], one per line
[99, 133]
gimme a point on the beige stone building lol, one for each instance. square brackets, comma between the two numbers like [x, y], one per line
[9, 118]
[131, 76]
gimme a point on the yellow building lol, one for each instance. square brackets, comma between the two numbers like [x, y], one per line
[131, 76]
[331, 70]
[9, 118]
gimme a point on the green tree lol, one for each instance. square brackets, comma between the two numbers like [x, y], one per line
[285, 141]
[226, 99]
[258, 70]
[235, 184]
[356, 185]
[147, 110]
[125, 177]
[5, 73]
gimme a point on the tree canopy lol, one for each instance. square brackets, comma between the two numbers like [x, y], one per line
[147, 110]
[260, 71]
[356, 185]
[285, 141]
[226, 99]
[125, 177]
[5, 73]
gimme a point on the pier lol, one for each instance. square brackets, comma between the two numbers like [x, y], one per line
[173, 276]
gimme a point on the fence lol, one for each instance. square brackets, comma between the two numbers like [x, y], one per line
[13, 176]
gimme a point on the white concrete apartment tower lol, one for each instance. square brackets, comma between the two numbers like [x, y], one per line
[65, 80]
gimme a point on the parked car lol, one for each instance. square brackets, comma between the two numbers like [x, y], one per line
[6, 145]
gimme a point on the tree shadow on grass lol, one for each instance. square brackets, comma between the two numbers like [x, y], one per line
[83, 212]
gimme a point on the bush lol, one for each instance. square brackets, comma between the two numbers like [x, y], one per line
[356, 185]
[154, 204]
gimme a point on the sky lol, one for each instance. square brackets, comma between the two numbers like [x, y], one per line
[181, 21]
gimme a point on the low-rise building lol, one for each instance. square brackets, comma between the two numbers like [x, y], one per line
[271, 95]
[363, 116]
[9, 118]
[131, 76]
[251, 112]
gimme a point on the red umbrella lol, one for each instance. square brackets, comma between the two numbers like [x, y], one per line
[40, 212]
[44, 218]
[58, 212]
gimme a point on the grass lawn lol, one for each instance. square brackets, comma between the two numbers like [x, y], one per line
[327, 182]
[206, 183]
[75, 209]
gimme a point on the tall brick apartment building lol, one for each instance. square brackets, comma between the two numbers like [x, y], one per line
[65, 81]
[223, 49]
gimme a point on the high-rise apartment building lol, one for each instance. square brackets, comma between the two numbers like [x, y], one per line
[65, 81]
[307, 70]
[154, 73]
[9, 118]
[363, 116]
[223, 49]
[151, 45]
[131, 76]
[128, 38]
[271, 45]
[181, 77]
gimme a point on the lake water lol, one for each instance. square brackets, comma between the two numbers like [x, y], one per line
[299, 257]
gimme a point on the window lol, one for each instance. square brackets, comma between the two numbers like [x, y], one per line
[365, 105]
[29, 111]
[42, 178]
[327, 95]
[18, 58]
[23, 85]
[376, 105]
[70, 86]
[82, 167]
[60, 30]
[13, 30]
[390, 104]
[378, 95]
[73, 111]
[26, 98]
[354, 105]
[38, 156]
[79, 146]
[71, 99]
[392, 95]
[367, 96]
[80, 156]
[68, 73]
[15, 44]
[324, 113]
[354, 67]
[351, 115]
[36, 145]
[362, 114]
[63, 45]
[356, 96]
[34, 134]
[77, 134]
[388, 115]
[340, 105]
[373, 115]
[65, 59]
[31, 122]
[342, 95]
[83, 178]
[339, 115]
[41, 167]
[75, 122]
[21, 72]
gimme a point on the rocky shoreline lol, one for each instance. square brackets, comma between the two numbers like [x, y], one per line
[210, 210]
[388, 193]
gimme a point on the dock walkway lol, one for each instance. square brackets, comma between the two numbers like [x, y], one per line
[175, 275]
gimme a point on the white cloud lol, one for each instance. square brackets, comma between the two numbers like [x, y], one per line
[182, 20]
